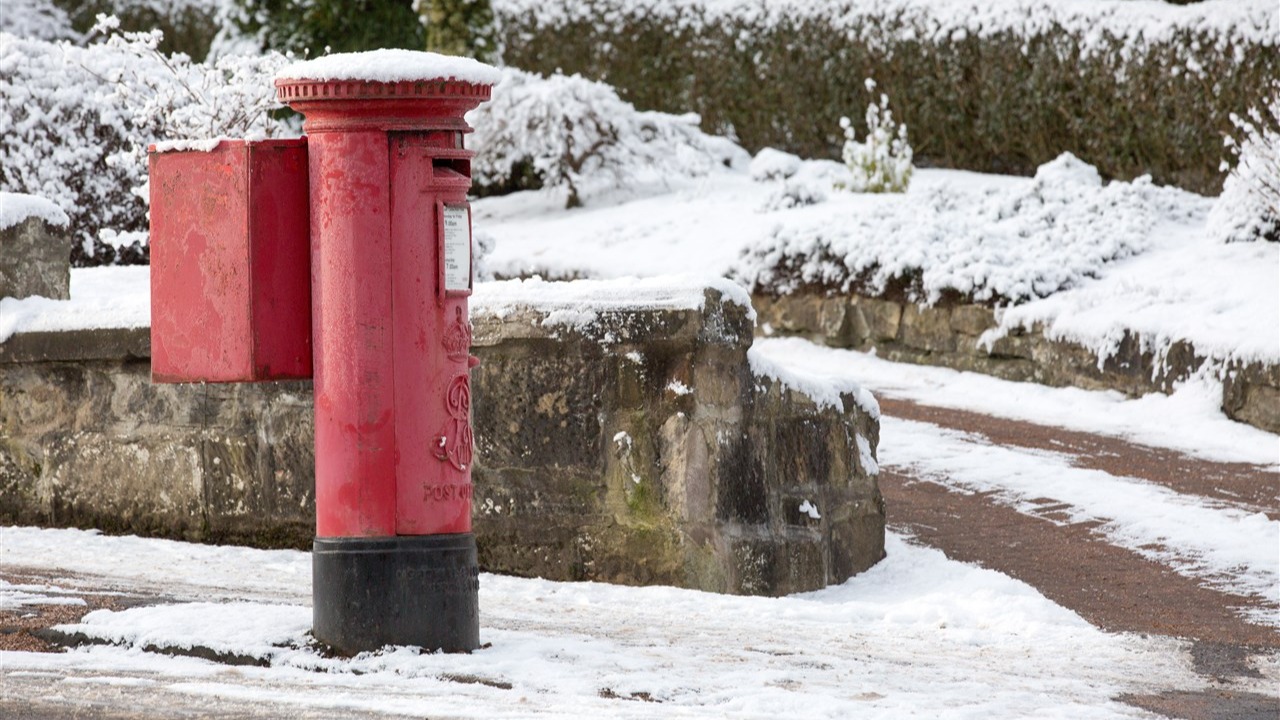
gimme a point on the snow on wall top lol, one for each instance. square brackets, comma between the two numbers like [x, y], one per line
[392, 65]
[824, 388]
[17, 207]
[579, 303]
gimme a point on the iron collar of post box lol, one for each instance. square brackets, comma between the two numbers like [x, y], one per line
[344, 105]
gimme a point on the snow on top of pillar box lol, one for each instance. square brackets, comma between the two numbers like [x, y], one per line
[392, 65]
[17, 207]
[579, 303]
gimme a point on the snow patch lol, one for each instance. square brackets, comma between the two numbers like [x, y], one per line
[825, 389]
[392, 65]
[578, 303]
[197, 145]
[770, 164]
[101, 297]
[917, 632]
[18, 207]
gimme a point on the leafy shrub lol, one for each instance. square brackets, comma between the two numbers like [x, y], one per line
[318, 26]
[188, 26]
[38, 19]
[1136, 88]
[578, 136]
[1249, 207]
[459, 27]
[75, 123]
[883, 162]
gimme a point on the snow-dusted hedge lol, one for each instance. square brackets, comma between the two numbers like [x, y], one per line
[1000, 247]
[998, 85]
[75, 123]
[576, 135]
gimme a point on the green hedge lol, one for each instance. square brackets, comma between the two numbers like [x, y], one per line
[1133, 97]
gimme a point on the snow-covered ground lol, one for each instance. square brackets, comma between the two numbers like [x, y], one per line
[917, 635]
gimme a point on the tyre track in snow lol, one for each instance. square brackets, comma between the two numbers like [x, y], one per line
[1249, 487]
[1072, 561]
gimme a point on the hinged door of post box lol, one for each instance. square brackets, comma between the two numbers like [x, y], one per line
[230, 263]
[431, 254]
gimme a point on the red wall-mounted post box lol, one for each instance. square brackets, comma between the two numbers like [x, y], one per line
[230, 262]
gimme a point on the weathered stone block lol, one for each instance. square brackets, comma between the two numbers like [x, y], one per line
[822, 318]
[1251, 394]
[874, 321]
[927, 329]
[972, 320]
[35, 259]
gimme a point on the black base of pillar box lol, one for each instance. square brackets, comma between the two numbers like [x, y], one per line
[406, 590]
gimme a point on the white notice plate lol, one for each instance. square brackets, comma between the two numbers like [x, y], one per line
[457, 248]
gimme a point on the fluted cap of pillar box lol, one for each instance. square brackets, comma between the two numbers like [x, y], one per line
[385, 90]
[392, 66]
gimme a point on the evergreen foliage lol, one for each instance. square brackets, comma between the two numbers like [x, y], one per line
[460, 27]
[314, 27]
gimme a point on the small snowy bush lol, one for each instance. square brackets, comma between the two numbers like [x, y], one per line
[75, 123]
[794, 194]
[1002, 246]
[1249, 207]
[37, 19]
[883, 162]
[578, 136]
[770, 164]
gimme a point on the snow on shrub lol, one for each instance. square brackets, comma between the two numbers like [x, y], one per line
[883, 162]
[38, 19]
[1001, 246]
[770, 164]
[576, 135]
[795, 194]
[75, 123]
[1249, 207]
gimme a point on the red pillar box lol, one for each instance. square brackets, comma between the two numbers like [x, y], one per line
[230, 287]
[394, 559]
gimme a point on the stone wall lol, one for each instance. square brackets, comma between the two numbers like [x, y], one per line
[947, 335]
[637, 449]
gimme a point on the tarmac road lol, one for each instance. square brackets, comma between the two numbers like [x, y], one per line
[1111, 587]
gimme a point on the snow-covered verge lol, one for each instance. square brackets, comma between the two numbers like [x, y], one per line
[917, 634]
[1223, 299]
[995, 245]
[1088, 260]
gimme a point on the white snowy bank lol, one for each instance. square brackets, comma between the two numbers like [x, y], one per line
[916, 635]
